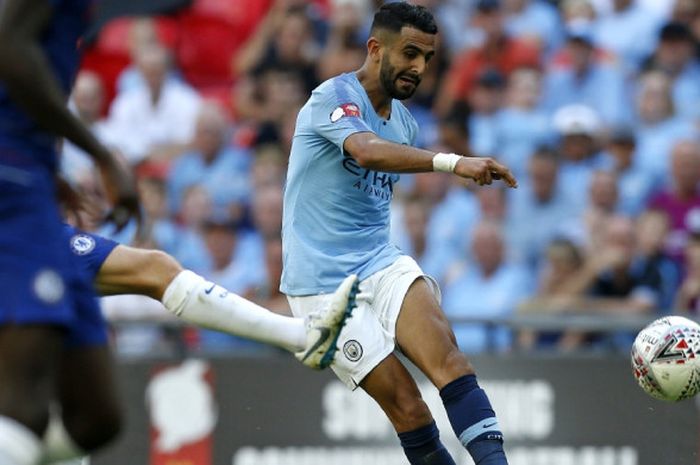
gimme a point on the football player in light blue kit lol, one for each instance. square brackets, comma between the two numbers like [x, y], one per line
[45, 341]
[352, 137]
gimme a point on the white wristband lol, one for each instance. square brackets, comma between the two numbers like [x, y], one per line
[445, 162]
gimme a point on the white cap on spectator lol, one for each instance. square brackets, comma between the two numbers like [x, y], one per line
[576, 119]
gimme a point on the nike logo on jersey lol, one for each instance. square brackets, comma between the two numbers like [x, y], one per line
[490, 425]
[208, 291]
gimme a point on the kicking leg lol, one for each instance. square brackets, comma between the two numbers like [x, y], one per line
[28, 364]
[424, 335]
[203, 303]
[396, 392]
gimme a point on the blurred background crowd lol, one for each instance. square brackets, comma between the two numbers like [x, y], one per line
[593, 104]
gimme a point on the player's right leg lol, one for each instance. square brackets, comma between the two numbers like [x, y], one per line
[203, 303]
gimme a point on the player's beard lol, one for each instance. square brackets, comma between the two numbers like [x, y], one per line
[388, 77]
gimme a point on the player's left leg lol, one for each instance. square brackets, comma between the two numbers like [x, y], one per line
[28, 365]
[88, 413]
[424, 335]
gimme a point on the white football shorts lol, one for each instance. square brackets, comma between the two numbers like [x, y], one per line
[369, 336]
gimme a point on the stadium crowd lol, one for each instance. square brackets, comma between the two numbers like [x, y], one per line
[593, 104]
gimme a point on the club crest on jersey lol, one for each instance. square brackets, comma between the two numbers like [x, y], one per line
[82, 244]
[346, 109]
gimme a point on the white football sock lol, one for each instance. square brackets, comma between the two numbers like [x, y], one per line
[58, 445]
[18, 444]
[206, 304]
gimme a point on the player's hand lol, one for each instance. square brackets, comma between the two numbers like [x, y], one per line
[122, 194]
[484, 171]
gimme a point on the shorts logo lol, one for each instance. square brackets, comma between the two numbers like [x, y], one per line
[352, 350]
[82, 244]
[48, 286]
[346, 109]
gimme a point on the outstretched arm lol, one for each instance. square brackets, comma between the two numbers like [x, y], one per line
[373, 152]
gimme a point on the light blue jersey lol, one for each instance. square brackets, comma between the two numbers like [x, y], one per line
[336, 214]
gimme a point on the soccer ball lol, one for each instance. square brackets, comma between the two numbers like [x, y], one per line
[666, 358]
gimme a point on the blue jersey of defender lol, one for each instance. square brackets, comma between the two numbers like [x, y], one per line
[21, 140]
[89, 250]
[336, 213]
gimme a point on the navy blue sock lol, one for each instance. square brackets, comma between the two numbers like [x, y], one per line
[422, 446]
[474, 421]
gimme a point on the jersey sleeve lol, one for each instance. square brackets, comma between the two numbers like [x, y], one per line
[90, 250]
[337, 112]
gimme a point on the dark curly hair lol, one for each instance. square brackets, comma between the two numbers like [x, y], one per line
[394, 16]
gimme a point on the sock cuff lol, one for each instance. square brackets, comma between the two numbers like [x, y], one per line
[419, 437]
[459, 387]
[18, 442]
[179, 290]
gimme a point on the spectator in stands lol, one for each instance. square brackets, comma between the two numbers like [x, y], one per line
[658, 126]
[537, 209]
[267, 226]
[267, 211]
[635, 185]
[652, 228]
[267, 293]
[142, 34]
[580, 76]
[268, 100]
[485, 101]
[227, 266]
[454, 214]
[578, 129]
[688, 296]
[614, 278]
[499, 284]
[520, 126]
[563, 259]
[601, 207]
[573, 11]
[86, 101]
[452, 132]
[269, 167]
[196, 207]
[212, 162]
[415, 216]
[675, 56]
[534, 20]
[284, 39]
[496, 51]
[344, 50]
[155, 122]
[452, 224]
[681, 201]
[161, 231]
[688, 13]
[629, 31]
